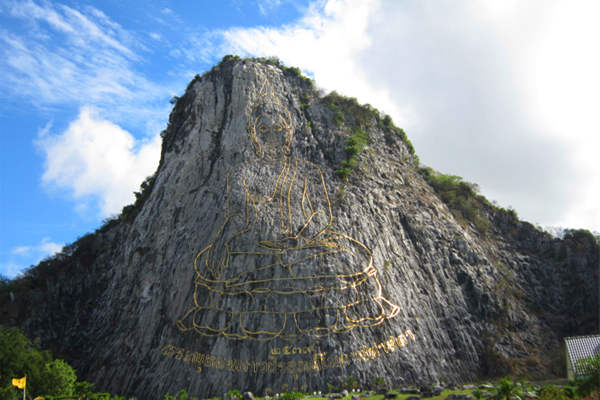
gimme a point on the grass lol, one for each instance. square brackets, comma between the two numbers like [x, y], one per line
[363, 395]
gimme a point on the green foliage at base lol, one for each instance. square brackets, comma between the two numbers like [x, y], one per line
[182, 395]
[20, 357]
[292, 396]
[506, 389]
[234, 393]
[591, 383]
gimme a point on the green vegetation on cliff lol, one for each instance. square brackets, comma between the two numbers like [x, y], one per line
[461, 197]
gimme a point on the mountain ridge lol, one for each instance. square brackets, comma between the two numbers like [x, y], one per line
[468, 301]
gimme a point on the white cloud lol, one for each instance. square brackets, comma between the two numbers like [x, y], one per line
[22, 250]
[564, 86]
[327, 42]
[266, 6]
[23, 256]
[467, 81]
[68, 56]
[79, 28]
[95, 158]
[10, 269]
[49, 248]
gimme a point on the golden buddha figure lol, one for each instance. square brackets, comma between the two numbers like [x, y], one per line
[273, 268]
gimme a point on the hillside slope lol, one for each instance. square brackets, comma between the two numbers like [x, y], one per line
[288, 240]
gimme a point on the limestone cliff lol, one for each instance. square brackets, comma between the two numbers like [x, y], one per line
[288, 240]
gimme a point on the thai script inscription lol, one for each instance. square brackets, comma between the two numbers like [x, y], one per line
[317, 361]
[293, 350]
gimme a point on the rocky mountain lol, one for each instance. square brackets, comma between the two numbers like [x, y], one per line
[289, 240]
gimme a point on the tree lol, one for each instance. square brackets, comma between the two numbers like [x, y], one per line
[591, 383]
[58, 378]
[20, 357]
[506, 389]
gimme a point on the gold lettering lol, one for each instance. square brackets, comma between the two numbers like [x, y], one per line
[168, 350]
[318, 362]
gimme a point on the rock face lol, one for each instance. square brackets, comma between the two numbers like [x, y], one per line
[248, 263]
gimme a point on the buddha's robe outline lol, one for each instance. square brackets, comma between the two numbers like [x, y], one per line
[285, 281]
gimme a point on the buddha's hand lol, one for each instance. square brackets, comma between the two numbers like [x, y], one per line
[211, 261]
[326, 240]
[296, 243]
[279, 246]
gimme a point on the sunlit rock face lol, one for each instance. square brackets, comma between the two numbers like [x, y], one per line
[249, 264]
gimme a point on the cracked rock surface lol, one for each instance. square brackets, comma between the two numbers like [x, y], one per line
[251, 265]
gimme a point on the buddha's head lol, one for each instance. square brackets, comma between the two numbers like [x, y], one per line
[270, 124]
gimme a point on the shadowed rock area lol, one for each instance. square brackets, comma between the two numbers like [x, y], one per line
[289, 240]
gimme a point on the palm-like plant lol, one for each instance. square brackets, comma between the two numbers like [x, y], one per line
[506, 389]
[590, 383]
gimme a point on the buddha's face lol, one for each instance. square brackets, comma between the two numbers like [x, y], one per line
[271, 128]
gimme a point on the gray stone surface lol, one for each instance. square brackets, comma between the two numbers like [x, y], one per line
[290, 290]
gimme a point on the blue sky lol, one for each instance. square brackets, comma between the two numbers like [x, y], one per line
[504, 94]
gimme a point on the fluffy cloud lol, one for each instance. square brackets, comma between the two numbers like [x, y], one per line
[42, 249]
[327, 43]
[21, 256]
[265, 6]
[63, 56]
[96, 159]
[500, 93]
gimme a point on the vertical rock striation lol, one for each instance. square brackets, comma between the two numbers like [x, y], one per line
[248, 263]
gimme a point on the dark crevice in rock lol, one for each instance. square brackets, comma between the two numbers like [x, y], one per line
[110, 301]
[223, 81]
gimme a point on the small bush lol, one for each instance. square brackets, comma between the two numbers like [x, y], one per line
[506, 389]
[182, 395]
[355, 144]
[291, 396]
[552, 393]
[591, 383]
[20, 357]
[350, 383]
[460, 196]
[379, 383]
[343, 172]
